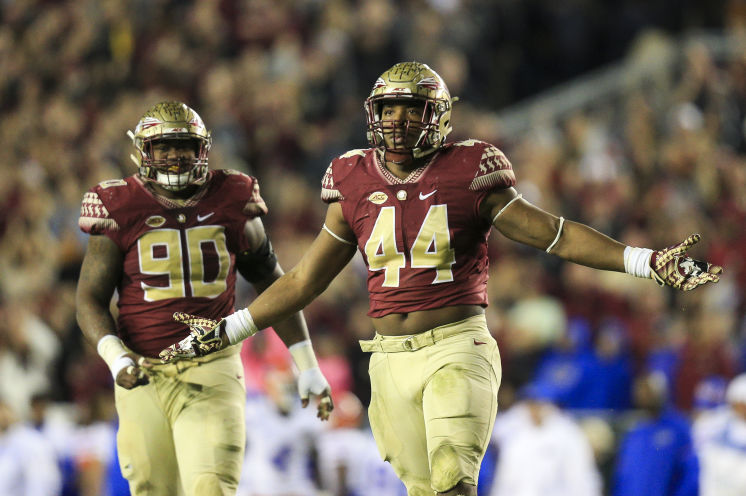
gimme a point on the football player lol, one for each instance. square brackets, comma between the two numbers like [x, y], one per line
[280, 439]
[419, 210]
[348, 460]
[170, 239]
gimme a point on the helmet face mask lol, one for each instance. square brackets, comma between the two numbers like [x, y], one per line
[171, 125]
[400, 135]
[175, 172]
[415, 84]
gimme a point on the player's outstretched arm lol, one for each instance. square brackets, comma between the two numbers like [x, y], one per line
[99, 276]
[329, 253]
[289, 294]
[260, 267]
[521, 221]
[276, 304]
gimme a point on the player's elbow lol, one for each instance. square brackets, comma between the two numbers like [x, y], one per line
[86, 308]
[262, 283]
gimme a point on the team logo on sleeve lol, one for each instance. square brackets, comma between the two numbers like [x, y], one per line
[155, 221]
[378, 197]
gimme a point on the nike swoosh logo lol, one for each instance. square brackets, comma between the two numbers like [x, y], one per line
[200, 218]
[477, 343]
[422, 197]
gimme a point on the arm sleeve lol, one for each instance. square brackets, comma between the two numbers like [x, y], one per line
[493, 171]
[329, 191]
[94, 216]
[255, 205]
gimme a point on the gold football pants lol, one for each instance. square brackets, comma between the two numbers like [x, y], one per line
[184, 432]
[433, 402]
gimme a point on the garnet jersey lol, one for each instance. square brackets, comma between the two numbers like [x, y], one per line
[422, 238]
[177, 258]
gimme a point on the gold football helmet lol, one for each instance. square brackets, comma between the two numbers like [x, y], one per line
[171, 121]
[411, 81]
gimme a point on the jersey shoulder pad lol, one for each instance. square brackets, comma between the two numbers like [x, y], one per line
[338, 169]
[491, 168]
[245, 189]
[95, 217]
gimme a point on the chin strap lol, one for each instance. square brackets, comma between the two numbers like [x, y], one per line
[407, 157]
[399, 158]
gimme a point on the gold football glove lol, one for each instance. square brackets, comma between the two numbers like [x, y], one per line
[205, 337]
[672, 267]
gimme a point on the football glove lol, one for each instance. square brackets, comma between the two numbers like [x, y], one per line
[312, 382]
[672, 267]
[205, 337]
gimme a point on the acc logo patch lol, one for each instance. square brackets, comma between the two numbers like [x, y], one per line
[378, 197]
[155, 221]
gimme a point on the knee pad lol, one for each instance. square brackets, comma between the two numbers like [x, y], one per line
[445, 469]
[416, 491]
[207, 485]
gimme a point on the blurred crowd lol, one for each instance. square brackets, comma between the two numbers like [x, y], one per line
[281, 83]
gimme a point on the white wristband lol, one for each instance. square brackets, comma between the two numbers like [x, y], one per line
[239, 326]
[121, 363]
[637, 261]
[113, 352]
[303, 355]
